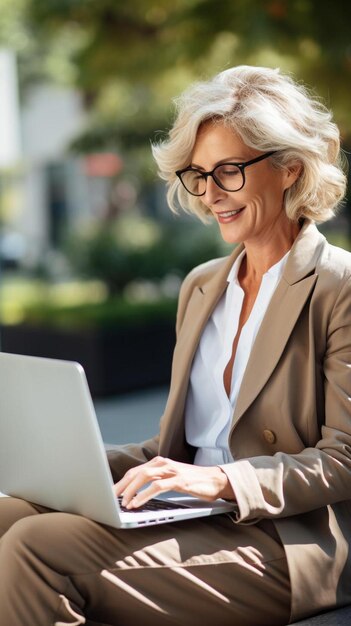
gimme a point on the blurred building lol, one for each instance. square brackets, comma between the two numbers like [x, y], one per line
[45, 190]
[10, 144]
[51, 181]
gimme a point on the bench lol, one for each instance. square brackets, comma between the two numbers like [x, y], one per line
[338, 617]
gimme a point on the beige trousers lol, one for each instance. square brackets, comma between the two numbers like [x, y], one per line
[58, 569]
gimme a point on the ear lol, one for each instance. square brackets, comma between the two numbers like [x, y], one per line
[292, 173]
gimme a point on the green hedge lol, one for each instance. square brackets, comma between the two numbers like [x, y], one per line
[114, 312]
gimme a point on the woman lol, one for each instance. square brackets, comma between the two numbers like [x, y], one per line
[259, 410]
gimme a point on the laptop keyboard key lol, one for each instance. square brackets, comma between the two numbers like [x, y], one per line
[153, 505]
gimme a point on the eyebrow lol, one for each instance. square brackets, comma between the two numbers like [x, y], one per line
[232, 159]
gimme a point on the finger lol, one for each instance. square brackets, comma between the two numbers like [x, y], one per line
[153, 490]
[145, 476]
[123, 483]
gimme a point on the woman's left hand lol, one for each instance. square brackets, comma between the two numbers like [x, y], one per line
[207, 483]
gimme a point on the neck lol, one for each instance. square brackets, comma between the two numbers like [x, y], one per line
[262, 255]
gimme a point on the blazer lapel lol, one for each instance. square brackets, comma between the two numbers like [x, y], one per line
[281, 316]
[201, 305]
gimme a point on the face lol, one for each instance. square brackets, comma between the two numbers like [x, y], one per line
[254, 213]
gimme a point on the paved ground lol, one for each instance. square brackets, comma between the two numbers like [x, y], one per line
[132, 417]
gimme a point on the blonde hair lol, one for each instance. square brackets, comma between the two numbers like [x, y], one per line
[270, 111]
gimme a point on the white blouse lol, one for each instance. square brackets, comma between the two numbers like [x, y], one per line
[209, 411]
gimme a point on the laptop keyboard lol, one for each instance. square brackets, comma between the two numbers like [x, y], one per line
[153, 505]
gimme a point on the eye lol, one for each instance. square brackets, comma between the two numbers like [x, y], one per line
[230, 172]
[227, 170]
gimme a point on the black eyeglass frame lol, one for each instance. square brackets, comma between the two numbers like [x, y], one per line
[205, 175]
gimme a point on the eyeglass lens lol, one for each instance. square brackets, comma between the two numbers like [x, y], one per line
[227, 176]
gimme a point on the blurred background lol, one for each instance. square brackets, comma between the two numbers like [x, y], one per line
[91, 259]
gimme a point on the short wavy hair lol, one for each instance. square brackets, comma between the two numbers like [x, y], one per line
[269, 111]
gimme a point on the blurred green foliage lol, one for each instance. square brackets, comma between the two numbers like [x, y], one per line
[339, 238]
[105, 252]
[130, 58]
[116, 312]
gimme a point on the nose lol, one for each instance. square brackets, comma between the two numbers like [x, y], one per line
[213, 192]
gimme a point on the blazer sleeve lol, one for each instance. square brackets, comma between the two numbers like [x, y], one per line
[289, 484]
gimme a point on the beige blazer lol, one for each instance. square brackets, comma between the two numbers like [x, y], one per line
[291, 428]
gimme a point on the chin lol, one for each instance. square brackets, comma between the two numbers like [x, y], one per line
[230, 237]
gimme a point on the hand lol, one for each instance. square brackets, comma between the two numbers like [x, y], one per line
[207, 483]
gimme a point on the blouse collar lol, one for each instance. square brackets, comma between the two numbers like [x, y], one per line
[275, 271]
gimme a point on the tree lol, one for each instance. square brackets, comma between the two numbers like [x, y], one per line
[130, 58]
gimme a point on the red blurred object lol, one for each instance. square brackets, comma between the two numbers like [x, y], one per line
[277, 9]
[103, 164]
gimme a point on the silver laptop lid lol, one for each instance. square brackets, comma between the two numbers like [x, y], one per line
[51, 450]
[48, 429]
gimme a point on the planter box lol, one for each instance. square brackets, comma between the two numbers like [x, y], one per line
[115, 360]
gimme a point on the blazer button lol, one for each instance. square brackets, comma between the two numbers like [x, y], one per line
[269, 436]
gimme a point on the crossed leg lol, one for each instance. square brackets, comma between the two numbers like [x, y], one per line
[60, 569]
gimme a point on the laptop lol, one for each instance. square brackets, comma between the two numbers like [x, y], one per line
[52, 453]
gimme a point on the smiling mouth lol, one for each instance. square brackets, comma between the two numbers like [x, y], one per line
[225, 214]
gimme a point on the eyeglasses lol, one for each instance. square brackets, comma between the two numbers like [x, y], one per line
[228, 176]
